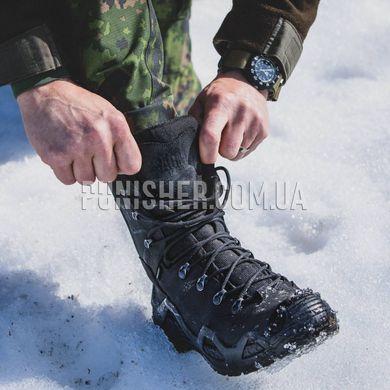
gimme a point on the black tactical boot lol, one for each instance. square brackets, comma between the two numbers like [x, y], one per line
[209, 294]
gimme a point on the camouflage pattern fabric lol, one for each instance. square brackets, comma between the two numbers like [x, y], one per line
[122, 54]
[174, 17]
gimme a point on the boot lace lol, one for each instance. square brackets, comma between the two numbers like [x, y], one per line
[187, 222]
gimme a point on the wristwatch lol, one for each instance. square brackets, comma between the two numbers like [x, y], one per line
[261, 71]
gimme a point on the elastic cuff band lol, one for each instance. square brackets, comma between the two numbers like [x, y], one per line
[27, 55]
[37, 81]
[272, 36]
[149, 116]
[285, 45]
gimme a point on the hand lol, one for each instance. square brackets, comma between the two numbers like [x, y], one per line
[78, 133]
[232, 113]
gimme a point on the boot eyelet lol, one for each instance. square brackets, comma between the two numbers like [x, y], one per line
[201, 282]
[218, 297]
[183, 271]
[237, 305]
[147, 243]
[134, 215]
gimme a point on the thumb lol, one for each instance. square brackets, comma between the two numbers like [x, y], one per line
[128, 155]
[197, 110]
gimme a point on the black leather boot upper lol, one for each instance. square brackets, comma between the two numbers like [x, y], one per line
[186, 248]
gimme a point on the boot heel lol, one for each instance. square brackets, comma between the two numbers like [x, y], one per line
[166, 320]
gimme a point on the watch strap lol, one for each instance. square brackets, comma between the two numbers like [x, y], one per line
[235, 59]
[274, 91]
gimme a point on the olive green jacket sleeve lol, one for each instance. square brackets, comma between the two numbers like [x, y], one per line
[30, 56]
[272, 27]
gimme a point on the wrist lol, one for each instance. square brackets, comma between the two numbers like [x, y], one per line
[39, 93]
[239, 75]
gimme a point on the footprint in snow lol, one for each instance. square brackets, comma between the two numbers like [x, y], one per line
[306, 232]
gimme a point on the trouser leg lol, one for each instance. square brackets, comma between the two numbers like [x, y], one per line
[134, 53]
[120, 57]
[173, 18]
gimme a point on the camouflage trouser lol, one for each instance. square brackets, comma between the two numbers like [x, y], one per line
[138, 56]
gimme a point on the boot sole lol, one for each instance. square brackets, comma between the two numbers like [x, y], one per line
[250, 353]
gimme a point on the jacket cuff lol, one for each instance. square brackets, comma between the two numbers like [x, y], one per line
[37, 81]
[29, 54]
[271, 35]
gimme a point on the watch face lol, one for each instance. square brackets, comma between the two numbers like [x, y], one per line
[264, 71]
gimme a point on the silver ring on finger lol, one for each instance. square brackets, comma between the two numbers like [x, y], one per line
[243, 149]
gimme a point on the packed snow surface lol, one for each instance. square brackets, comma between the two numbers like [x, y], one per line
[74, 300]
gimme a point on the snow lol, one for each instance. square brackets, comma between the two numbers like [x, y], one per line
[74, 300]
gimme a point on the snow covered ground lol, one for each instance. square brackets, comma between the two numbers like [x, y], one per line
[74, 301]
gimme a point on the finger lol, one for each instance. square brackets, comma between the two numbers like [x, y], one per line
[254, 134]
[233, 135]
[258, 140]
[247, 144]
[128, 155]
[213, 124]
[250, 135]
[242, 152]
[65, 174]
[261, 135]
[231, 141]
[83, 170]
[105, 165]
[125, 150]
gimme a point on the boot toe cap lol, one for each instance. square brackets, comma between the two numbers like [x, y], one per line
[305, 321]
